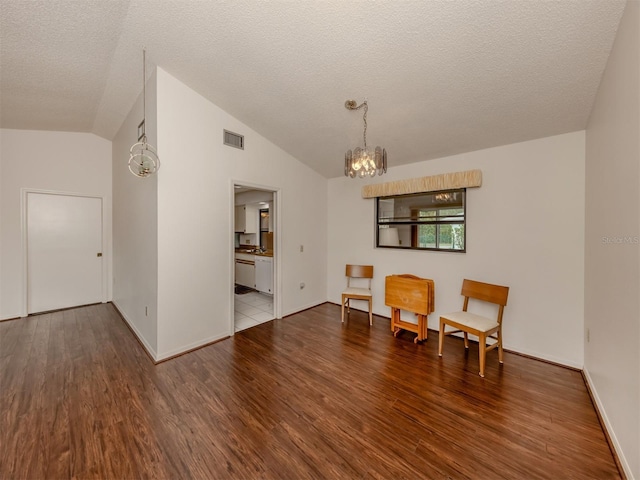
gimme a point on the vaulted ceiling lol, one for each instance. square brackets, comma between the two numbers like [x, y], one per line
[441, 77]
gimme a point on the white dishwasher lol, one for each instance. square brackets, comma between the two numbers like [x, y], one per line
[245, 270]
[264, 274]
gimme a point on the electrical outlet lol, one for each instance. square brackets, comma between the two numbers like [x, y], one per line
[301, 248]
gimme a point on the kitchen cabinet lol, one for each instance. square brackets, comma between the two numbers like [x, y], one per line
[246, 219]
[245, 270]
[264, 274]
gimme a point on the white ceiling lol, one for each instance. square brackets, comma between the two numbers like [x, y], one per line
[441, 77]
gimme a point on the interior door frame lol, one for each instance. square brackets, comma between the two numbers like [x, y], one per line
[24, 192]
[277, 247]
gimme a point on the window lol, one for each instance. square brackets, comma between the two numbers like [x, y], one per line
[425, 221]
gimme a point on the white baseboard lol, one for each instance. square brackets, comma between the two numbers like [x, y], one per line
[172, 353]
[11, 316]
[530, 353]
[607, 425]
[305, 307]
[548, 358]
[191, 346]
[137, 333]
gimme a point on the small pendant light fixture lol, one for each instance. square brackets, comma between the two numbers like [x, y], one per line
[143, 158]
[364, 162]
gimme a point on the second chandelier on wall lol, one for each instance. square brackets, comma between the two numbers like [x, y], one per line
[364, 162]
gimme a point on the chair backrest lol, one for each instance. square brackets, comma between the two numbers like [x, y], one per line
[486, 292]
[359, 271]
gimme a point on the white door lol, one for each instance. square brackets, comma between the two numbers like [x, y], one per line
[64, 251]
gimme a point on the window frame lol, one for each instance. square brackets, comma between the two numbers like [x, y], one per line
[416, 223]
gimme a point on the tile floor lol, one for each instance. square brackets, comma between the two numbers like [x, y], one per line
[252, 309]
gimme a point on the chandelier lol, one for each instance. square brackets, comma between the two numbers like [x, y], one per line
[143, 158]
[446, 197]
[364, 162]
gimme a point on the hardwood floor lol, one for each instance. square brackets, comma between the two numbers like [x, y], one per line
[305, 397]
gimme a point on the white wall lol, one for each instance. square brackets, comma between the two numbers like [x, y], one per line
[612, 263]
[66, 162]
[135, 228]
[525, 229]
[254, 196]
[195, 208]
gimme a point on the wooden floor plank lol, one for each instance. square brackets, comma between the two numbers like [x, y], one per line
[304, 397]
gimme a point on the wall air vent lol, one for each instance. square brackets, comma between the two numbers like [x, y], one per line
[233, 139]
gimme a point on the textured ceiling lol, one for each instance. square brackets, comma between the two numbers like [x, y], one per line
[441, 77]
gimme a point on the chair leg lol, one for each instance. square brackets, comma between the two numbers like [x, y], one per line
[482, 352]
[500, 355]
[466, 341]
[441, 338]
[370, 311]
[343, 309]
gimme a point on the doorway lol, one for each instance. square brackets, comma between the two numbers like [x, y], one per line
[64, 260]
[255, 256]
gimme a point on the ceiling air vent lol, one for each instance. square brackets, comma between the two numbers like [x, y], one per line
[233, 139]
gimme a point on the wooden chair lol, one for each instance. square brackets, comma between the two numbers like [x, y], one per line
[470, 323]
[358, 293]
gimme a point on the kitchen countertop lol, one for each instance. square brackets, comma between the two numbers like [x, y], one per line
[268, 253]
